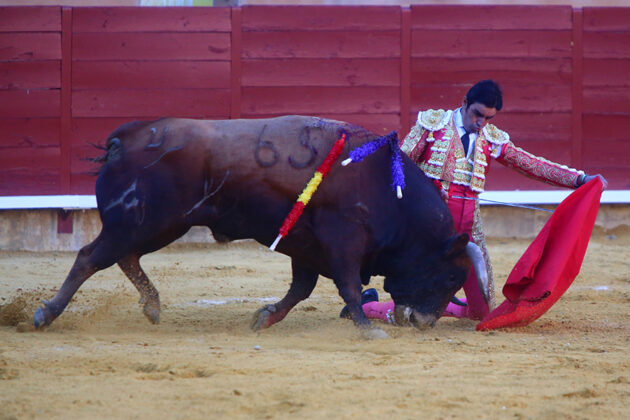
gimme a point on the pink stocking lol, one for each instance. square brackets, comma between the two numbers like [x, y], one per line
[378, 310]
[455, 310]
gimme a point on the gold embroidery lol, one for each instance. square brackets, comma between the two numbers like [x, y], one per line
[430, 170]
[494, 135]
[412, 139]
[434, 119]
[538, 168]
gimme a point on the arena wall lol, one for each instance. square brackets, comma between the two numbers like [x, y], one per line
[70, 75]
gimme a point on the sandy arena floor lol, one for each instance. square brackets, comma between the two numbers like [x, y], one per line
[103, 359]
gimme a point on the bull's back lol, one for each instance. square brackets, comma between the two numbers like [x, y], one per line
[171, 165]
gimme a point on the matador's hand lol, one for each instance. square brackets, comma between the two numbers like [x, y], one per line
[584, 179]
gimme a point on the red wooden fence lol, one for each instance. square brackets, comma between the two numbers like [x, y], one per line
[69, 76]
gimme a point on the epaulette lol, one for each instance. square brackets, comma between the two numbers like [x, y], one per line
[494, 135]
[434, 119]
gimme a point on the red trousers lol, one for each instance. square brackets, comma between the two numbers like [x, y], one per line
[463, 212]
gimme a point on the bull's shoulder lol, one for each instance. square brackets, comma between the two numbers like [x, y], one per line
[434, 119]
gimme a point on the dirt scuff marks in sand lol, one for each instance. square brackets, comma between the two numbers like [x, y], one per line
[103, 359]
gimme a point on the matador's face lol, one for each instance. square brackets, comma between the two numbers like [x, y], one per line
[475, 116]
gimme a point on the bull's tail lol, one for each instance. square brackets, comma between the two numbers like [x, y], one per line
[111, 152]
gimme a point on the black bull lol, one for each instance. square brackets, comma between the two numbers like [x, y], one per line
[240, 178]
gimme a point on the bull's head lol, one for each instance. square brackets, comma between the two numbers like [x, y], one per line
[421, 299]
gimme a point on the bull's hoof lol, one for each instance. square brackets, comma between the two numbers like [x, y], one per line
[40, 319]
[374, 334]
[260, 320]
[152, 312]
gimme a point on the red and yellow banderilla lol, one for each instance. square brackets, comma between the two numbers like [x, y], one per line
[309, 190]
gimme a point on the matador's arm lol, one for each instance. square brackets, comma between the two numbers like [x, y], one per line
[539, 168]
[415, 142]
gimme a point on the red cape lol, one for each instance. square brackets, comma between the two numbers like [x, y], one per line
[551, 263]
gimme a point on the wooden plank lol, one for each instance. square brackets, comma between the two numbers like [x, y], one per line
[427, 43]
[318, 72]
[151, 19]
[30, 171]
[539, 127]
[333, 44]
[576, 88]
[30, 74]
[30, 157]
[151, 46]
[308, 100]
[29, 103]
[604, 100]
[202, 103]
[607, 153]
[66, 96]
[503, 70]
[82, 184]
[236, 63]
[607, 45]
[29, 181]
[606, 19]
[405, 71]
[26, 46]
[30, 19]
[516, 98]
[29, 132]
[150, 74]
[321, 18]
[606, 72]
[598, 128]
[491, 17]
[617, 176]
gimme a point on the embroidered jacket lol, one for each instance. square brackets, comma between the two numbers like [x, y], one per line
[434, 144]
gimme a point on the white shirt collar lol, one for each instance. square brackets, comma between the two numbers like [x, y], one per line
[459, 123]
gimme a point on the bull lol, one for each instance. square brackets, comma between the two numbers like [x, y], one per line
[240, 178]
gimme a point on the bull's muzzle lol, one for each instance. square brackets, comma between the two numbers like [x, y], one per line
[407, 316]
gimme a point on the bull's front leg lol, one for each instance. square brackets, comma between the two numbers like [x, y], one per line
[348, 282]
[303, 282]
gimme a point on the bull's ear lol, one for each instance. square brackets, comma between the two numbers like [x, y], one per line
[456, 245]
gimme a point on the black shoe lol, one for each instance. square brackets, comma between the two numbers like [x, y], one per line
[458, 302]
[368, 295]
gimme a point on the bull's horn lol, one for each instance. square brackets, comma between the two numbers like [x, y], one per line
[479, 264]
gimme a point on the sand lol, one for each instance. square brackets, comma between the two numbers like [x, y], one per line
[103, 359]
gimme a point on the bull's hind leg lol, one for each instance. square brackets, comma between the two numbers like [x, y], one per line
[302, 285]
[94, 257]
[149, 296]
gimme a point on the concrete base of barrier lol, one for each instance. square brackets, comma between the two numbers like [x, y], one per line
[38, 230]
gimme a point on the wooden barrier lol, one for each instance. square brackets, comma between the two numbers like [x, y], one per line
[69, 76]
